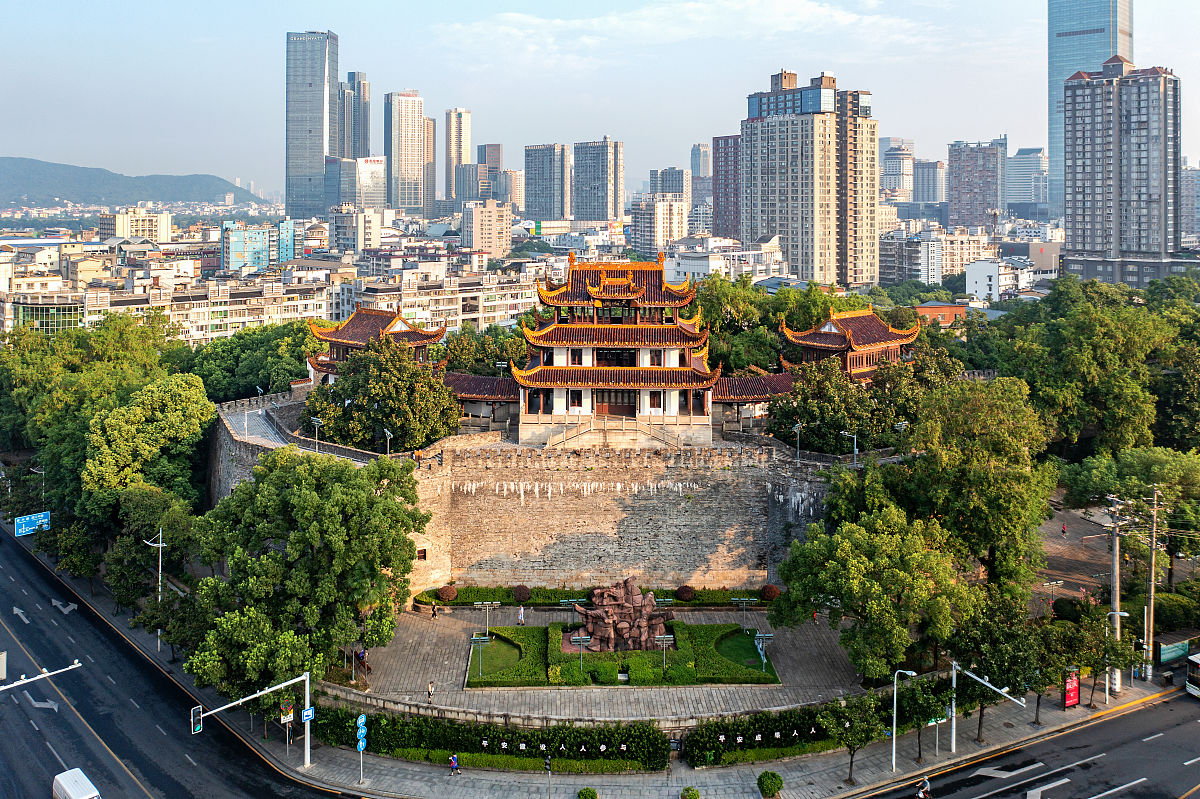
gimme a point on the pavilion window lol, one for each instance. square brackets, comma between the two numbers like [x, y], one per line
[684, 410]
[575, 398]
[656, 357]
[547, 357]
[577, 357]
[656, 400]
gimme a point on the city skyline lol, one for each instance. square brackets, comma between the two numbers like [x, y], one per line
[881, 46]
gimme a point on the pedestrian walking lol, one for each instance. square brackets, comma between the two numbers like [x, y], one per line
[521, 616]
[430, 692]
[454, 769]
[1064, 530]
[435, 611]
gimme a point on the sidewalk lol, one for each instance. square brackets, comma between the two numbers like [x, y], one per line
[808, 777]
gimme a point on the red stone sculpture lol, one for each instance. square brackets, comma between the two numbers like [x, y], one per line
[623, 618]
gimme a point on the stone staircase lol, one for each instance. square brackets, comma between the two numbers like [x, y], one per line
[613, 430]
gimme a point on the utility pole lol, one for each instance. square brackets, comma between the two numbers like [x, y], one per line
[1150, 605]
[159, 546]
[1115, 590]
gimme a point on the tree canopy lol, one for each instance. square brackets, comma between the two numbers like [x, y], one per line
[269, 357]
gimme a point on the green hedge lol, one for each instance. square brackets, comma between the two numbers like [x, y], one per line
[530, 669]
[645, 746]
[713, 667]
[441, 757]
[601, 668]
[469, 594]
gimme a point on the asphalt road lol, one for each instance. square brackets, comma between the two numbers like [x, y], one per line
[118, 717]
[1144, 754]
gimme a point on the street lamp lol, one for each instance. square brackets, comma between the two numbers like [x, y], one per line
[487, 614]
[1108, 675]
[895, 690]
[664, 642]
[388, 435]
[855, 437]
[42, 472]
[316, 423]
[159, 546]
[797, 430]
[584, 640]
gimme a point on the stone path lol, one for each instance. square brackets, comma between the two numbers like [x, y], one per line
[252, 426]
[811, 666]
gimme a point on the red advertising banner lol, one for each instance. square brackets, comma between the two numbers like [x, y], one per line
[1071, 690]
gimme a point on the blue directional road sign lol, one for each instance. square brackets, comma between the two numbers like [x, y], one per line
[362, 744]
[26, 525]
[308, 713]
[362, 733]
[362, 720]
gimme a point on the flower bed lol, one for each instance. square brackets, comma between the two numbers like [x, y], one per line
[550, 597]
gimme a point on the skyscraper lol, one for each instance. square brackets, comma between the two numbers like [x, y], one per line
[361, 182]
[1026, 192]
[404, 147]
[672, 181]
[1082, 35]
[458, 144]
[510, 188]
[701, 160]
[429, 170]
[311, 95]
[360, 114]
[491, 156]
[975, 181]
[345, 144]
[809, 174]
[726, 186]
[1122, 189]
[547, 182]
[598, 185]
[896, 173]
[929, 182]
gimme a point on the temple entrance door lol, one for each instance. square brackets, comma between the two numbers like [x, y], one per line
[611, 402]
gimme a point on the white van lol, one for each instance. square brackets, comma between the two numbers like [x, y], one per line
[74, 784]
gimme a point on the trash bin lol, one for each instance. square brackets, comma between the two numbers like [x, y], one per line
[1168, 678]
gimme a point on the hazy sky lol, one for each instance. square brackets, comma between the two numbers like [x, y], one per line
[142, 87]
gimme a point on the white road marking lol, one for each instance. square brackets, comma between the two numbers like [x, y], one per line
[23, 591]
[89, 657]
[34, 725]
[193, 762]
[160, 729]
[38, 606]
[1152, 737]
[135, 704]
[52, 621]
[1036, 793]
[995, 772]
[1, 565]
[1041, 776]
[111, 680]
[1193, 760]
[1111, 791]
[10, 577]
[69, 638]
[56, 757]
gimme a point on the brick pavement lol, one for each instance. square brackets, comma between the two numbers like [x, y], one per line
[810, 664]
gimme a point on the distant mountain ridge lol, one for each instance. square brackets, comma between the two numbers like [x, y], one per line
[28, 181]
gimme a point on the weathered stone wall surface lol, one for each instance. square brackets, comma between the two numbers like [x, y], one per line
[230, 461]
[705, 517]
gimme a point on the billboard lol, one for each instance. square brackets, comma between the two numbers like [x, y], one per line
[1071, 689]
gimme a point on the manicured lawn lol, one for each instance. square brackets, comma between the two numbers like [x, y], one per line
[739, 647]
[497, 656]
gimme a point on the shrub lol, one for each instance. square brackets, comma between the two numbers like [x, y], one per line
[529, 670]
[689, 793]
[769, 784]
[685, 593]
[1067, 609]
[587, 793]
[1174, 612]
[769, 593]
[447, 593]
[521, 593]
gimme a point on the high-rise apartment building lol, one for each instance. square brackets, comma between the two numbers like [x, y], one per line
[598, 184]
[471, 183]
[135, 222]
[726, 186]
[547, 182]
[701, 160]
[1189, 201]
[429, 169]
[359, 182]
[510, 188]
[929, 182]
[1027, 191]
[896, 174]
[404, 147]
[251, 248]
[672, 181]
[491, 156]
[1081, 35]
[656, 222]
[311, 101]
[360, 115]
[888, 142]
[354, 229]
[458, 144]
[487, 226]
[809, 174]
[975, 181]
[1122, 161]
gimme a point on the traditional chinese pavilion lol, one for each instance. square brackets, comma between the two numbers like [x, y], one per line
[363, 326]
[616, 363]
[859, 339]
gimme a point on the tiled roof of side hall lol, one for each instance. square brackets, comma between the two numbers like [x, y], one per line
[851, 329]
[602, 335]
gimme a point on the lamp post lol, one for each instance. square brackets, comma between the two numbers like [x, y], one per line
[159, 546]
[487, 615]
[1109, 671]
[316, 423]
[855, 437]
[796, 429]
[1115, 587]
[42, 472]
[743, 601]
[387, 434]
[664, 642]
[584, 640]
[479, 642]
[895, 690]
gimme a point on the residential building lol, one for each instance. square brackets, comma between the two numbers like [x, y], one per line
[547, 182]
[929, 182]
[250, 248]
[726, 186]
[360, 182]
[510, 188]
[471, 183]
[458, 144]
[476, 299]
[896, 174]
[672, 181]
[656, 222]
[1002, 278]
[1122, 160]
[698, 257]
[354, 230]
[487, 226]
[700, 218]
[888, 142]
[345, 122]
[701, 160]
[492, 157]
[903, 257]
[311, 120]
[975, 181]
[429, 169]
[702, 190]
[360, 115]
[1027, 190]
[1189, 201]
[598, 181]
[961, 246]
[821, 200]
[135, 222]
[404, 145]
[1081, 35]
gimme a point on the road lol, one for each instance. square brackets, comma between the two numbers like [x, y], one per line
[118, 717]
[1148, 753]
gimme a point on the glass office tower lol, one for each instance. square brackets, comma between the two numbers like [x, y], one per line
[1083, 34]
[311, 120]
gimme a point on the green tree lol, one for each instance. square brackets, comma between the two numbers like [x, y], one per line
[1177, 416]
[881, 581]
[853, 724]
[920, 703]
[824, 401]
[269, 357]
[126, 571]
[1053, 643]
[77, 553]
[383, 387]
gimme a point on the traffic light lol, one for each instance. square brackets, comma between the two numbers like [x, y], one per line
[547, 762]
[197, 719]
